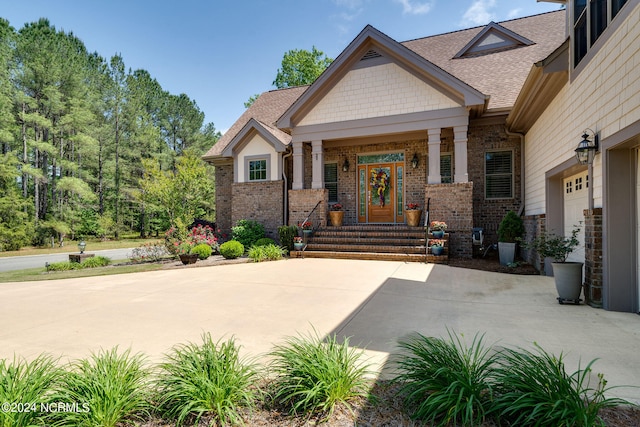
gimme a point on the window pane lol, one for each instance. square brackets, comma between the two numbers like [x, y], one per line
[580, 39]
[616, 5]
[498, 174]
[578, 7]
[445, 169]
[331, 180]
[399, 191]
[598, 17]
[381, 158]
[257, 170]
[362, 205]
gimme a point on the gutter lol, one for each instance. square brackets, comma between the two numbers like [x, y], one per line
[522, 182]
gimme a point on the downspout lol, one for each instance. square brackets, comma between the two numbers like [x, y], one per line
[285, 208]
[521, 136]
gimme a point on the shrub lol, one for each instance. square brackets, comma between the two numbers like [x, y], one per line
[148, 252]
[206, 379]
[313, 375]
[247, 232]
[269, 252]
[231, 249]
[536, 389]
[286, 234]
[264, 242]
[112, 386]
[24, 382]
[446, 382]
[63, 266]
[96, 261]
[511, 228]
[203, 251]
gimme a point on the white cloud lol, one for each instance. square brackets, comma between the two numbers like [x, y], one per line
[479, 13]
[415, 8]
[514, 13]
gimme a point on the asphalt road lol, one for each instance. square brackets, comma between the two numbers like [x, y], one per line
[33, 261]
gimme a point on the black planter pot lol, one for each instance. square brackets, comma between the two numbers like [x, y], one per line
[188, 258]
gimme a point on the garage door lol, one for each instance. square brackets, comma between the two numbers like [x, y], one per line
[575, 202]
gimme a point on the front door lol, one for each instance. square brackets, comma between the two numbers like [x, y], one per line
[380, 192]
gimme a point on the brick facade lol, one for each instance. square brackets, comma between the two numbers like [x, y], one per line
[593, 257]
[302, 202]
[259, 201]
[224, 182]
[453, 204]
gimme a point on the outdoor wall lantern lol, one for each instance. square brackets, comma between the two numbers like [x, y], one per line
[82, 245]
[415, 160]
[587, 148]
[345, 165]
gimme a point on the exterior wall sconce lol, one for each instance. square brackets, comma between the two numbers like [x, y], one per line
[587, 148]
[345, 165]
[415, 160]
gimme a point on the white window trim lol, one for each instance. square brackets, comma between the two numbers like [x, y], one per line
[249, 159]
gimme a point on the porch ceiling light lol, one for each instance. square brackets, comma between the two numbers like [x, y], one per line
[587, 148]
[345, 165]
[415, 160]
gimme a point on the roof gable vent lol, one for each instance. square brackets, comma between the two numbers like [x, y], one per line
[493, 38]
[371, 54]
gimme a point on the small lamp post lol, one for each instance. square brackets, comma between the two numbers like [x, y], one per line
[82, 245]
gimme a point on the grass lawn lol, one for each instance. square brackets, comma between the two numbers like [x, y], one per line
[72, 246]
[35, 274]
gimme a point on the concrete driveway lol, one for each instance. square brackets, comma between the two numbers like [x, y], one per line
[373, 302]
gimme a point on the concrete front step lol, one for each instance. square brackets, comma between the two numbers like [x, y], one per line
[375, 256]
[312, 245]
[372, 241]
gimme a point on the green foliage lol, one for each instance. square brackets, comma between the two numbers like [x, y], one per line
[264, 242]
[89, 223]
[231, 249]
[446, 381]
[23, 382]
[247, 232]
[64, 266]
[555, 246]
[286, 234]
[148, 252]
[301, 67]
[511, 228]
[202, 250]
[313, 375]
[251, 100]
[111, 386]
[95, 261]
[536, 390]
[207, 379]
[268, 252]
[14, 230]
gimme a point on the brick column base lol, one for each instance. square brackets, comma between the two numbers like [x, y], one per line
[593, 257]
[302, 202]
[453, 204]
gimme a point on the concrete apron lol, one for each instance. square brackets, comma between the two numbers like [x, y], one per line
[375, 303]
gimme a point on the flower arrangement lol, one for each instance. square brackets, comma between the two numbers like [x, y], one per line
[297, 239]
[436, 242]
[438, 226]
[336, 207]
[307, 225]
[413, 206]
[184, 248]
[379, 182]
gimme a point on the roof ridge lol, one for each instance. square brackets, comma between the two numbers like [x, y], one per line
[481, 26]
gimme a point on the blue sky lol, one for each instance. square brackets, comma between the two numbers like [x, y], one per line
[220, 52]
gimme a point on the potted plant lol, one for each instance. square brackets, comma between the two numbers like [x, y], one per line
[307, 228]
[567, 275]
[510, 231]
[298, 244]
[185, 255]
[437, 228]
[336, 214]
[413, 213]
[437, 246]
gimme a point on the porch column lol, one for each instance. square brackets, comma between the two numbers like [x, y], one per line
[298, 166]
[317, 161]
[460, 139]
[434, 157]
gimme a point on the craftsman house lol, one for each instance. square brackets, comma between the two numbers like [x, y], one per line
[477, 122]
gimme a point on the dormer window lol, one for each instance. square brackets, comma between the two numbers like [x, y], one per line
[590, 20]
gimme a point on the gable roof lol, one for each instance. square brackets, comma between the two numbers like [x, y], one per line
[500, 75]
[266, 109]
[371, 43]
[278, 139]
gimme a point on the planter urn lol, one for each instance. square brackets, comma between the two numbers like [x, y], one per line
[568, 278]
[336, 218]
[298, 246]
[188, 258]
[506, 252]
[437, 250]
[413, 217]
